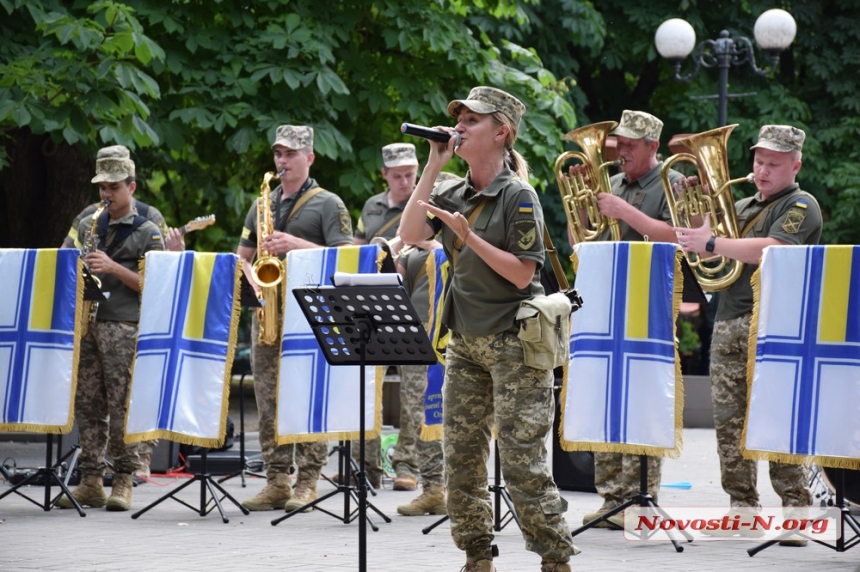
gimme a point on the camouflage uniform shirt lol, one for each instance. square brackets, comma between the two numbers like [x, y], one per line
[479, 301]
[375, 214]
[792, 216]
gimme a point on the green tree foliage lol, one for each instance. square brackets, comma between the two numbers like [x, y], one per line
[212, 80]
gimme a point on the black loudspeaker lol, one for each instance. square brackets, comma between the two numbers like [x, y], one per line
[572, 471]
[165, 457]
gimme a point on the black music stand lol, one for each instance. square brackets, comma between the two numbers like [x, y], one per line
[844, 515]
[47, 474]
[364, 325]
[500, 493]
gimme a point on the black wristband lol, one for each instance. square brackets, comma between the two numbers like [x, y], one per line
[711, 242]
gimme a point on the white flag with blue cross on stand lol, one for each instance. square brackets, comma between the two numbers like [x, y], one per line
[189, 314]
[804, 360]
[316, 401]
[39, 338]
[624, 390]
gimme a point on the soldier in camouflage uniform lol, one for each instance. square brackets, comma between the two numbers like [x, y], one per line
[322, 220]
[778, 214]
[107, 350]
[412, 266]
[491, 227]
[380, 218]
[638, 203]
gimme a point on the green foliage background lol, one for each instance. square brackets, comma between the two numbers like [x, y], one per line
[196, 88]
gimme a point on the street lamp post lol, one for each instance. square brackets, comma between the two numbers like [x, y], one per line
[774, 31]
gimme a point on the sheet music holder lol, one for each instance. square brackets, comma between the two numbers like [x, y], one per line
[360, 324]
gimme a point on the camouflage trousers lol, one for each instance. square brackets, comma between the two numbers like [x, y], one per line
[310, 457]
[616, 477]
[486, 384]
[104, 379]
[412, 456]
[729, 393]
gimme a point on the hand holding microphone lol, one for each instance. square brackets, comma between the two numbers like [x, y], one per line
[428, 133]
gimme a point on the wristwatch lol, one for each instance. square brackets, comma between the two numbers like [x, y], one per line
[710, 246]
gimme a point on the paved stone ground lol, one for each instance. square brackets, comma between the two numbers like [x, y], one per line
[174, 537]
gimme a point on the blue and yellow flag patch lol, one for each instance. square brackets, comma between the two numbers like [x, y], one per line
[526, 208]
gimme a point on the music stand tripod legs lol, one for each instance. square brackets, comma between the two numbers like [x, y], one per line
[350, 473]
[500, 493]
[48, 474]
[207, 485]
[844, 514]
[644, 499]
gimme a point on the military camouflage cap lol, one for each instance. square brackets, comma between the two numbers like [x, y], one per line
[484, 99]
[782, 138]
[638, 124]
[399, 155]
[294, 136]
[113, 164]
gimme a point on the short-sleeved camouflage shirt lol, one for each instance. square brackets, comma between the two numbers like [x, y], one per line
[375, 215]
[645, 194]
[794, 217]
[123, 305]
[479, 301]
[323, 219]
[152, 214]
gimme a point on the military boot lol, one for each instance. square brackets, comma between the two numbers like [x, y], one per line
[305, 491]
[274, 495]
[482, 565]
[431, 501]
[120, 494]
[91, 492]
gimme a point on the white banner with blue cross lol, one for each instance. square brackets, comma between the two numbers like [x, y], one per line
[39, 338]
[804, 360]
[317, 401]
[624, 391]
[189, 314]
[437, 274]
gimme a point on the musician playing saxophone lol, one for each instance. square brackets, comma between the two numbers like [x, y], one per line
[106, 353]
[639, 204]
[303, 216]
[637, 200]
[778, 214]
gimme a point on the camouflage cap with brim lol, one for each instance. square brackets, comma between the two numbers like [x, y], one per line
[782, 138]
[399, 155]
[638, 124]
[113, 164]
[294, 136]
[484, 99]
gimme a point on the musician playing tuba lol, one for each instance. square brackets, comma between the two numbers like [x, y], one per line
[778, 214]
[634, 201]
[639, 205]
[303, 216]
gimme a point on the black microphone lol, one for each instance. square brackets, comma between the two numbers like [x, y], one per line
[427, 133]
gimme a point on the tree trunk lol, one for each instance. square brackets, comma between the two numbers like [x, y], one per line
[42, 190]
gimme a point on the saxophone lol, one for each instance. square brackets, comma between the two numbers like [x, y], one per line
[90, 307]
[268, 270]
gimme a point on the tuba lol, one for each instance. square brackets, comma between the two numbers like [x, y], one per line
[709, 155]
[268, 271]
[576, 194]
[91, 308]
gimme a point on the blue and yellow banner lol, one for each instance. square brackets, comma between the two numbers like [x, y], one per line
[804, 360]
[189, 315]
[624, 390]
[318, 402]
[39, 342]
[437, 268]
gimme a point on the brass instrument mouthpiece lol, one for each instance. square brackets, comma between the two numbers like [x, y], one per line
[281, 172]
